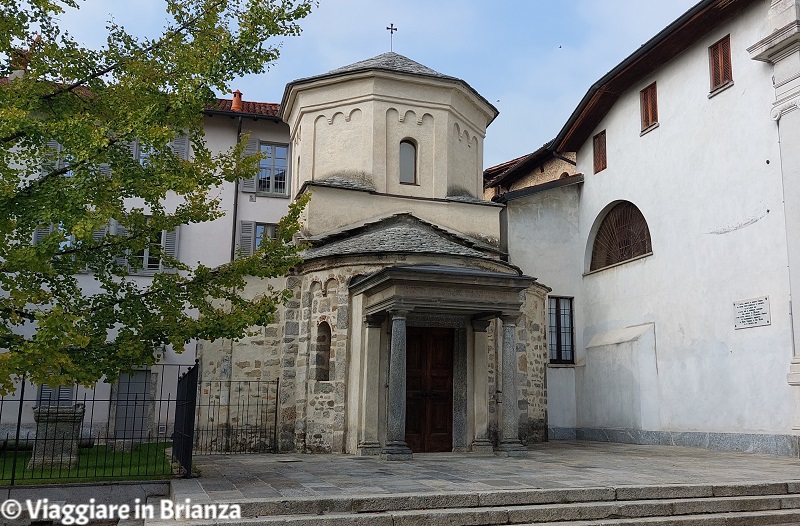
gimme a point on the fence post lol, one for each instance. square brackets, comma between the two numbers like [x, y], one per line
[16, 439]
[185, 405]
[275, 420]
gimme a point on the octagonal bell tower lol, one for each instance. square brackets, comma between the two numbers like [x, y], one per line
[393, 128]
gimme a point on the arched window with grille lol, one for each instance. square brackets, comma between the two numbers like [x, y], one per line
[623, 235]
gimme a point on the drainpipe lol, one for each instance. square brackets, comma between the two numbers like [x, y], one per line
[235, 198]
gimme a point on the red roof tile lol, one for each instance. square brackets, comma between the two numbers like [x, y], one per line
[251, 108]
[269, 109]
[502, 167]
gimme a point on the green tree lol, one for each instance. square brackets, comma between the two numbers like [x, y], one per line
[69, 309]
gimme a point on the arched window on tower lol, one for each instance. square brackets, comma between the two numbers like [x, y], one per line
[408, 162]
[623, 235]
[322, 353]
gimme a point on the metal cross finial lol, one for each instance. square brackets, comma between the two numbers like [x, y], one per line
[391, 29]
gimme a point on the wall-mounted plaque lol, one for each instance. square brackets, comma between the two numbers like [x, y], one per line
[751, 313]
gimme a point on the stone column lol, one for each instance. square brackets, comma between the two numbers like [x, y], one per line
[480, 390]
[396, 447]
[369, 445]
[509, 427]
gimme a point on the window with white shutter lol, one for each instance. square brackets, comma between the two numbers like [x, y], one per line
[247, 232]
[40, 232]
[50, 396]
[150, 259]
[180, 145]
[272, 178]
[251, 233]
[55, 158]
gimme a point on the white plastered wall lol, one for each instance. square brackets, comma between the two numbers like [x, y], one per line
[708, 182]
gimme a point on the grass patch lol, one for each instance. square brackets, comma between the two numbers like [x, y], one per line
[144, 462]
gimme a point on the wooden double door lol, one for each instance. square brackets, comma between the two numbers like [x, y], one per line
[429, 389]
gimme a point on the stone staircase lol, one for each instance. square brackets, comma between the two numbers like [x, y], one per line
[743, 504]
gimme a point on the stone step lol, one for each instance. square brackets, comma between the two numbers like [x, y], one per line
[750, 518]
[562, 513]
[181, 490]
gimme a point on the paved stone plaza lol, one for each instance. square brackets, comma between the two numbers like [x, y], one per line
[550, 465]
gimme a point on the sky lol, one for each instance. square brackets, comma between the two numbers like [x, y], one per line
[533, 59]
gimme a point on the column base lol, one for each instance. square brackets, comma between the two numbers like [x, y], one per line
[369, 449]
[482, 445]
[396, 451]
[511, 448]
[793, 379]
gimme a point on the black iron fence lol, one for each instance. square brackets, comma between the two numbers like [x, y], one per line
[236, 417]
[117, 431]
[146, 425]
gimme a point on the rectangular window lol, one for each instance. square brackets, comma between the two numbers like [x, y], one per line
[560, 341]
[50, 396]
[719, 61]
[56, 158]
[272, 170]
[600, 162]
[133, 406]
[149, 259]
[251, 234]
[264, 230]
[272, 179]
[649, 105]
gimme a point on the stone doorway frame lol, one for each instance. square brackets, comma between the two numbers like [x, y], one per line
[430, 295]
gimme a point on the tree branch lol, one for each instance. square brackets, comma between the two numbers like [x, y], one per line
[108, 69]
[21, 313]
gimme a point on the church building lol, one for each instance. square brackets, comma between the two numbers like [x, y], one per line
[661, 223]
[408, 330]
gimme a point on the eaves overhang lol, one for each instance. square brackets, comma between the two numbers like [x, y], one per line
[663, 47]
[234, 114]
[291, 89]
[440, 289]
[531, 190]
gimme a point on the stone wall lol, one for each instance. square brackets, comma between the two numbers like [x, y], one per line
[230, 383]
[550, 170]
[532, 329]
[322, 402]
[531, 369]
[312, 397]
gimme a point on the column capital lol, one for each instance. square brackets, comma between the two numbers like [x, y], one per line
[480, 325]
[374, 320]
[510, 318]
[399, 313]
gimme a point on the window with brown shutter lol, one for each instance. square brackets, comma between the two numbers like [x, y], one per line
[649, 100]
[600, 162]
[719, 60]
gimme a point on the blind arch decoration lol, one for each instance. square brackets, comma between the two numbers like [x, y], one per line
[623, 235]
